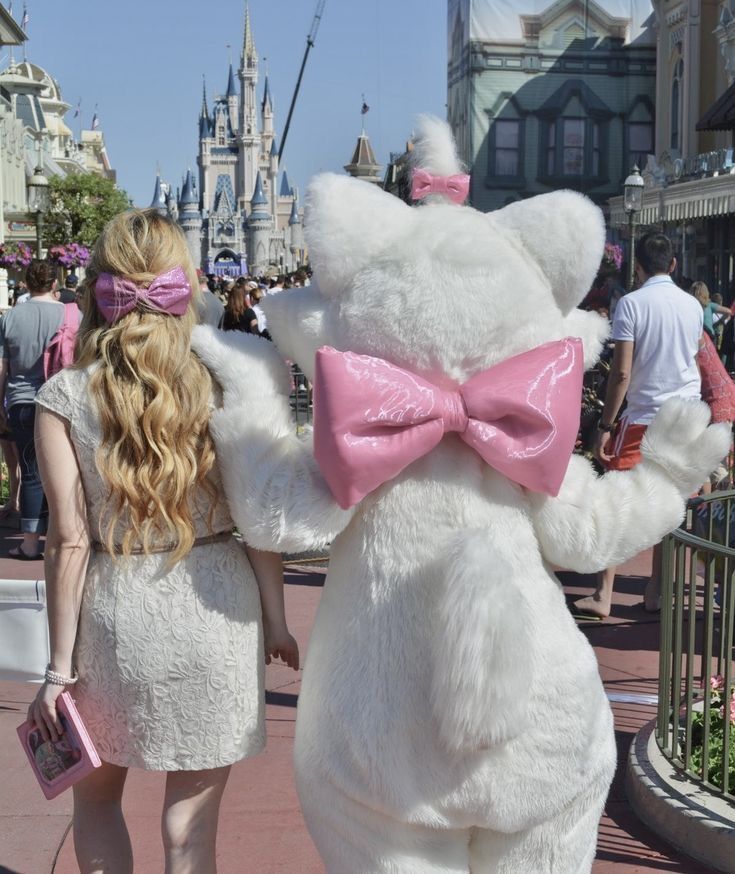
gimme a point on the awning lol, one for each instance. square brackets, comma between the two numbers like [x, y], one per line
[721, 115]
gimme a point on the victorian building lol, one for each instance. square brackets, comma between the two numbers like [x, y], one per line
[239, 212]
[690, 177]
[545, 95]
[34, 134]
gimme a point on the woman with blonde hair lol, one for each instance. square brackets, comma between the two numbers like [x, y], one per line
[701, 293]
[154, 607]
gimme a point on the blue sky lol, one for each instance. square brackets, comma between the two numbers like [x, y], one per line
[141, 62]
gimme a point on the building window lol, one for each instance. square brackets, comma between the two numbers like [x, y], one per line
[506, 144]
[676, 104]
[640, 143]
[507, 158]
[573, 148]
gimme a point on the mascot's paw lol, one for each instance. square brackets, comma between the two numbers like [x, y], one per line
[483, 647]
[681, 441]
[248, 368]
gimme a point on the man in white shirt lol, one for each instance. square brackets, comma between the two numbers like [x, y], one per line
[657, 331]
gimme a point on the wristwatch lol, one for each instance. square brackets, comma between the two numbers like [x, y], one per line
[605, 429]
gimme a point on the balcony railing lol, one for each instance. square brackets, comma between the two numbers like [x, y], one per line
[696, 716]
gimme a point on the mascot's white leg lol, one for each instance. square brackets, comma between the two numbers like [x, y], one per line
[564, 845]
[352, 839]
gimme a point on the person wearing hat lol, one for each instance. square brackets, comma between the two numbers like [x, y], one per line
[68, 294]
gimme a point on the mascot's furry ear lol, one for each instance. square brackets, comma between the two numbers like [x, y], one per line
[348, 224]
[564, 232]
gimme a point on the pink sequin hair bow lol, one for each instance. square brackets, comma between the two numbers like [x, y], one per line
[456, 187]
[117, 296]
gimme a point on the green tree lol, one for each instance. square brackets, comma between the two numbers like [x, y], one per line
[81, 205]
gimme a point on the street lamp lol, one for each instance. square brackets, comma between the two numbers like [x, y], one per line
[38, 203]
[632, 204]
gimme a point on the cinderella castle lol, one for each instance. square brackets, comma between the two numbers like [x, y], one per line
[241, 215]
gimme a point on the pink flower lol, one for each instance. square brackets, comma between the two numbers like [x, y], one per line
[717, 684]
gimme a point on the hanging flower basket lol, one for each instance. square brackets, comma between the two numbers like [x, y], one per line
[612, 257]
[14, 256]
[69, 255]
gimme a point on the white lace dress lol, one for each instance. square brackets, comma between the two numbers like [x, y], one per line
[170, 662]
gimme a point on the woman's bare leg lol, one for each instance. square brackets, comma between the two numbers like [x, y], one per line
[189, 821]
[101, 839]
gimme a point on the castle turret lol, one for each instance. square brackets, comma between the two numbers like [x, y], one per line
[273, 177]
[190, 218]
[260, 223]
[296, 235]
[159, 197]
[363, 164]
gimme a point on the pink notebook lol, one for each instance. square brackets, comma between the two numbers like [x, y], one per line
[59, 765]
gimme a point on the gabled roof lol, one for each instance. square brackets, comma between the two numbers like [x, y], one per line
[11, 34]
[721, 115]
[575, 88]
[224, 196]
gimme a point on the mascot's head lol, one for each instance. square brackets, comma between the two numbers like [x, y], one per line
[440, 288]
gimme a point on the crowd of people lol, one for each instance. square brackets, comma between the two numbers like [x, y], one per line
[666, 343]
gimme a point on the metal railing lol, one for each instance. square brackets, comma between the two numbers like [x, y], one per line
[301, 398]
[696, 716]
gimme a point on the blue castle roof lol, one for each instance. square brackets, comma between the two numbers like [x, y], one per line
[259, 201]
[231, 85]
[286, 190]
[274, 148]
[267, 101]
[294, 217]
[159, 199]
[189, 198]
[259, 198]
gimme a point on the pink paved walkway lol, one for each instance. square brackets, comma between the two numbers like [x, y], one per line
[261, 828]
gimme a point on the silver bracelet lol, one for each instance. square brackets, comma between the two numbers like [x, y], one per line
[57, 679]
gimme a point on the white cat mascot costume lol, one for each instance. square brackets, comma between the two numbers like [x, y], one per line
[451, 717]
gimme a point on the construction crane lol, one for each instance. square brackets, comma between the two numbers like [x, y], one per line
[309, 46]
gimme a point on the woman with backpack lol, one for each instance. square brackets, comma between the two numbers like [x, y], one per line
[28, 334]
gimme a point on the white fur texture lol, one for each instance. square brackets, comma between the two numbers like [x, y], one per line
[451, 714]
[483, 651]
[277, 496]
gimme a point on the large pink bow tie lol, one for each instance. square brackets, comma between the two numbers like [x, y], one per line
[372, 419]
[456, 188]
[116, 296]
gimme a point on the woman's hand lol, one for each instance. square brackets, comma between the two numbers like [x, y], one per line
[279, 643]
[43, 713]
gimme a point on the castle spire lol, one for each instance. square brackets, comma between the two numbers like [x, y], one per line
[205, 109]
[231, 87]
[248, 43]
[267, 100]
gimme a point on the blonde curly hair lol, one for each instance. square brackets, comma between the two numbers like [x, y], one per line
[152, 393]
